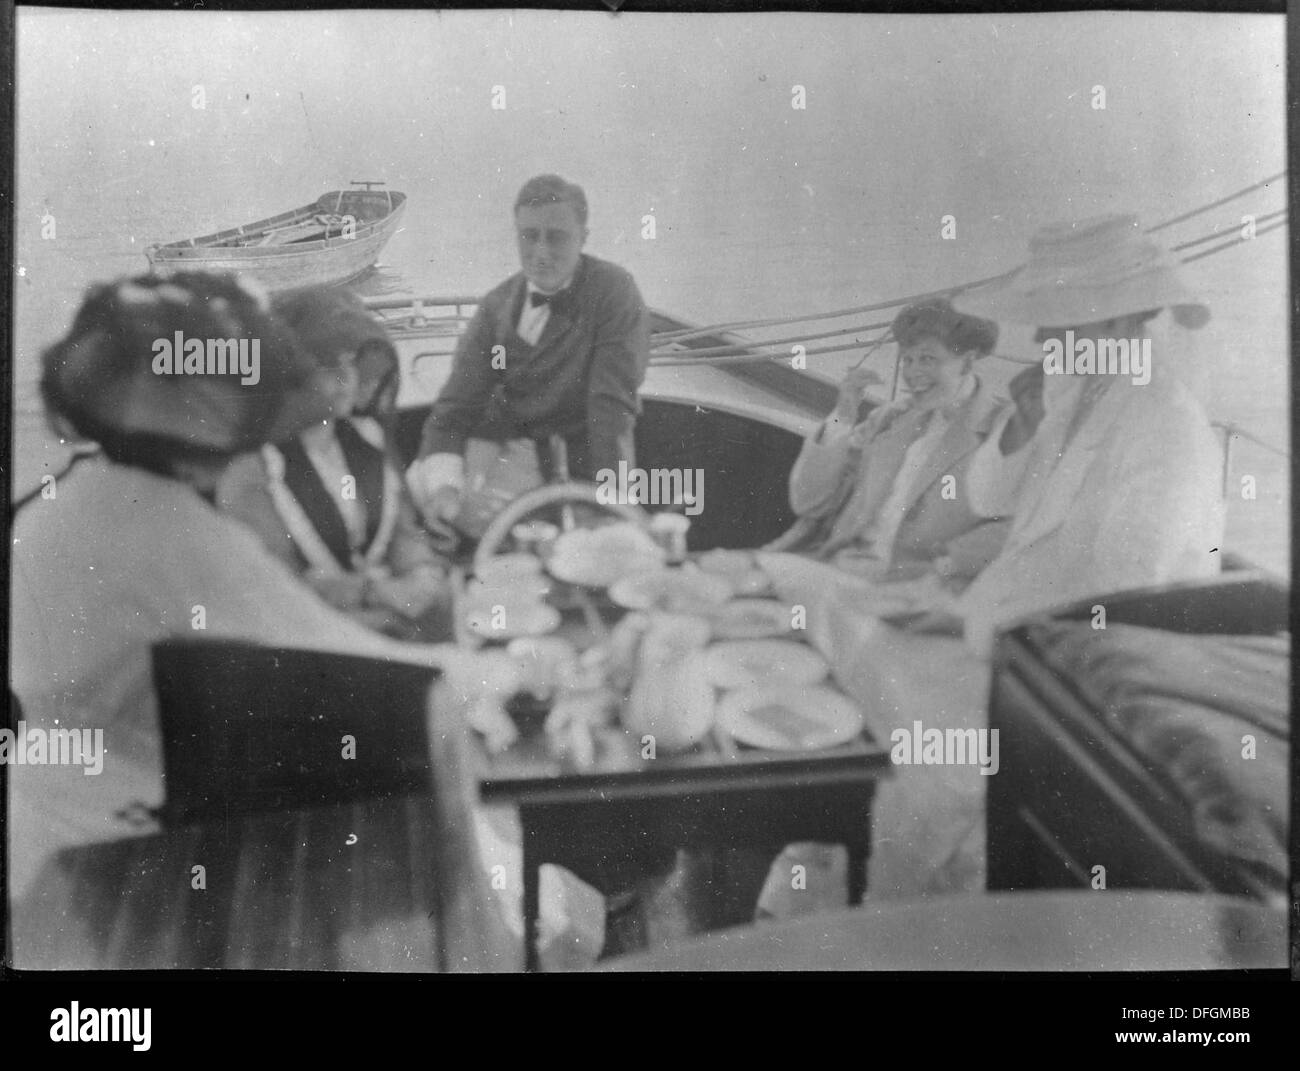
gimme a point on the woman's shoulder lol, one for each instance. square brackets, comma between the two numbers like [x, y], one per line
[247, 466]
[245, 475]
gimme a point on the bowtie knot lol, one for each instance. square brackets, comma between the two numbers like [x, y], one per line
[556, 300]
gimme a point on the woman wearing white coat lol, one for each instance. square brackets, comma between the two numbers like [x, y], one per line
[1113, 480]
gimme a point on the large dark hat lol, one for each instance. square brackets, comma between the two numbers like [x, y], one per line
[334, 325]
[123, 369]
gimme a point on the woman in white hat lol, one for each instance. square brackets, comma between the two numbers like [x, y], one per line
[1111, 470]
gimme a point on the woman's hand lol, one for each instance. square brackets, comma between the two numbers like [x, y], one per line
[852, 390]
[411, 594]
[438, 511]
[344, 591]
[1026, 390]
[936, 623]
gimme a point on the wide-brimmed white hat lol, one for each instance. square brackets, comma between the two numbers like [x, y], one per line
[1085, 273]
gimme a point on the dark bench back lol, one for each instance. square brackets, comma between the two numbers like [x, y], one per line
[248, 728]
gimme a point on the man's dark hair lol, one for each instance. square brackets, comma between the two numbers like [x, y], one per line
[553, 190]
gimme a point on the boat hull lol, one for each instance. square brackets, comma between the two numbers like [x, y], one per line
[280, 268]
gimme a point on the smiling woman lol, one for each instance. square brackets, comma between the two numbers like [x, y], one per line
[877, 498]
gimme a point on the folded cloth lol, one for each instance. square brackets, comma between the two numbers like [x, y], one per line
[1187, 704]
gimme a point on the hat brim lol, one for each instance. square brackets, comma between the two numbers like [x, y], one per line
[1076, 305]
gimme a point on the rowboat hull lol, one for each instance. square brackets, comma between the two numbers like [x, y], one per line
[356, 226]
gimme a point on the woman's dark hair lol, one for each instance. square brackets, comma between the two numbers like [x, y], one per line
[936, 318]
[112, 339]
[158, 454]
[334, 326]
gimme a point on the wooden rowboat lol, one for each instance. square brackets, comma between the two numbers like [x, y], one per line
[331, 240]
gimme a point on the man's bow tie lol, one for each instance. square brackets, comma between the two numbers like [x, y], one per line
[555, 300]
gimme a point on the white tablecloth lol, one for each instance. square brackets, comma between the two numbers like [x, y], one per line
[928, 821]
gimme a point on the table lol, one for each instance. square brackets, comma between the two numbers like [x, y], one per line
[631, 810]
[715, 796]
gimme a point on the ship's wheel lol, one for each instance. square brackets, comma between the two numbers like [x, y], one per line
[569, 493]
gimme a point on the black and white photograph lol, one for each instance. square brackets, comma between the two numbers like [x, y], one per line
[541, 491]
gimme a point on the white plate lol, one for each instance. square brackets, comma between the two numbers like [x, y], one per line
[739, 569]
[757, 663]
[596, 557]
[751, 619]
[789, 718]
[726, 562]
[532, 587]
[507, 567]
[522, 619]
[673, 590]
[752, 584]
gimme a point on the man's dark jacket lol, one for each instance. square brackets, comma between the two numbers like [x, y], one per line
[580, 381]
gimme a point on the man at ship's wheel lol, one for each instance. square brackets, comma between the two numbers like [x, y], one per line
[558, 349]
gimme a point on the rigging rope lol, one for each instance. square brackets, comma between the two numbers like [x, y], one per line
[1234, 242]
[1223, 234]
[687, 333]
[689, 356]
[740, 352]
[743, 350]
[741, 347]
[1215, 204]
[692, 332]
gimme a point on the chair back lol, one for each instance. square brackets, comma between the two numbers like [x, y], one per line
[250, 728]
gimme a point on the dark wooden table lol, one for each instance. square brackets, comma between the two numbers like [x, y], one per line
[625, 809]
